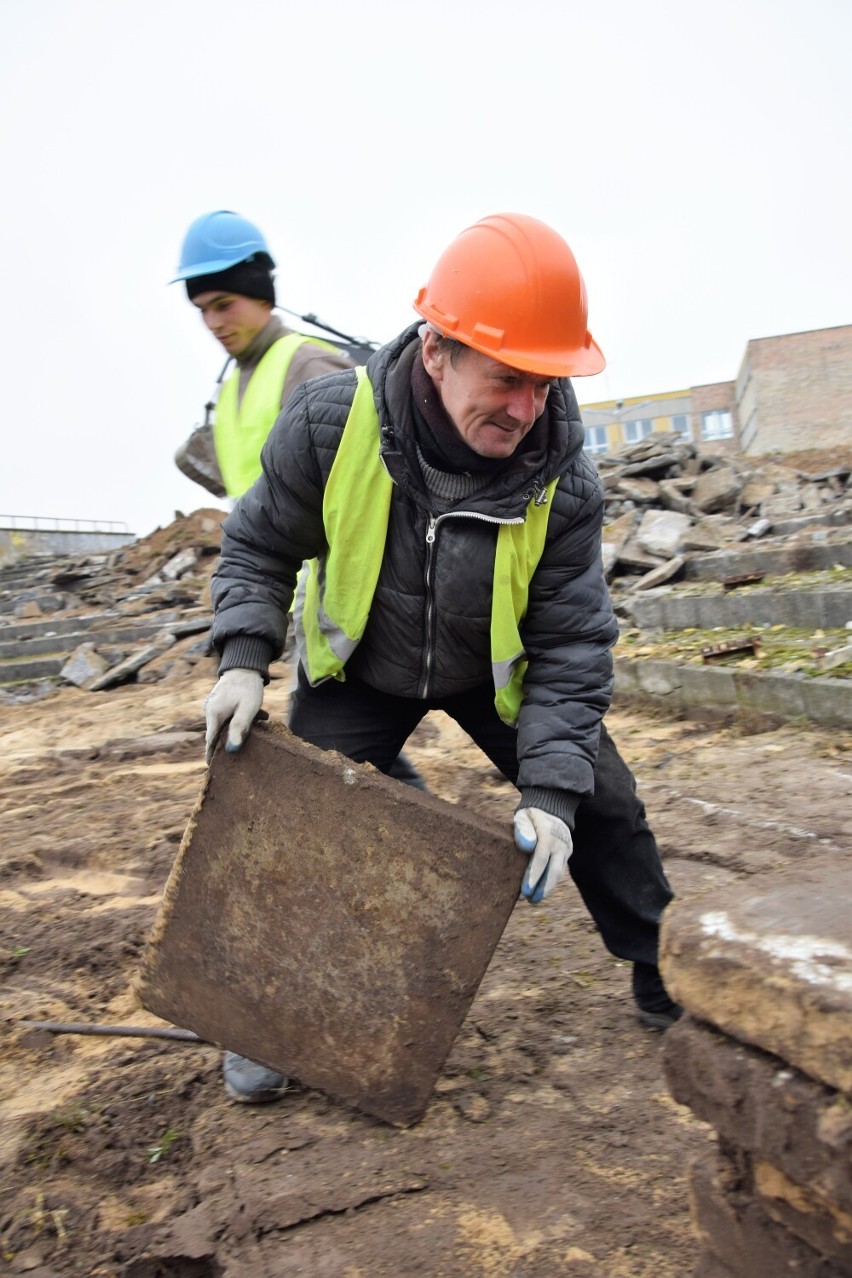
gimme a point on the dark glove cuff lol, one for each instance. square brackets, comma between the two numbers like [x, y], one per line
[559, 803]
[246, 652]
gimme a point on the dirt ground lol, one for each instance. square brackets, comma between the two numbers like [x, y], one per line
[551, 1145]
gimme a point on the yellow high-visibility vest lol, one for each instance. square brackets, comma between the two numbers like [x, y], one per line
[336, 591]
[240, 428]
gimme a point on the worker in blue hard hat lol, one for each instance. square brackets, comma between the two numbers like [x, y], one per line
[227, 270]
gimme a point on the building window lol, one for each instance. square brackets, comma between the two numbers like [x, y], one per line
[717, 425]
[634, 431]
[596, 439]
[680, 423]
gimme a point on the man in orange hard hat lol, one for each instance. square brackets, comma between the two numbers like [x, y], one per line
[454, 528]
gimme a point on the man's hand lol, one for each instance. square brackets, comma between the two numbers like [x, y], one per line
[549, 840]
[237, 697]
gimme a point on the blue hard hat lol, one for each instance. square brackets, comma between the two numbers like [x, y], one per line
[217, 241]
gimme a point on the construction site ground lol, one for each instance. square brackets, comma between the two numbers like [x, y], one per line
[551, 1145]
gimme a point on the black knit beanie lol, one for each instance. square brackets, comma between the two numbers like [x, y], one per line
[252, 278]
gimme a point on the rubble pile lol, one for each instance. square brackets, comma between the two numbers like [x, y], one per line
[140, 613]
[667, 504]
[762, 1055]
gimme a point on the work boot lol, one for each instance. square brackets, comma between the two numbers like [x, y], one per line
[654, 1007]
[249, 1083]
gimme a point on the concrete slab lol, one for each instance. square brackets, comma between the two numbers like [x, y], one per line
[772, 560]
[828, 608]
[770, 963]
[329, 922]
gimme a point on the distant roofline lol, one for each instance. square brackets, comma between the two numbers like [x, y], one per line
[604, 405]
[802, 332]
[633, 400]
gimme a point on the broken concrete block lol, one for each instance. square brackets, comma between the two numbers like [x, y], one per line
[639, 490]
[178, 565]
[655, 464]
[782, 504]
[613, 538]
[666, 572]
[703, 536]
[128, 667]
[771, 965]
[616, 531]
[610, 477]
[717, 489]
[84, 665]
[329, 922]
[734, 1227]
[814, 498]
[804, 1214]
[631, 555]
[661, 532]
[759, 1104]
[755, 491]
[30, 608]
[674, 494]
[837, 657]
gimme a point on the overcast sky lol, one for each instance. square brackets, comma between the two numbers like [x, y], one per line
[695, 156]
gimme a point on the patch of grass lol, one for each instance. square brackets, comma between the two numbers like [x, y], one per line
[584, 979]
[51, 1145]
[73, 1117]
[781, 649]
[33, 1223]
[161, 1149]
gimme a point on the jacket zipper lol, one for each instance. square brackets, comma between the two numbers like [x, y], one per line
[431, 533]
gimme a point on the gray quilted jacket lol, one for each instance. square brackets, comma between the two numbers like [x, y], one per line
[428, 634]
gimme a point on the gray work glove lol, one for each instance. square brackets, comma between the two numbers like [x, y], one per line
[548, 839]
[237, 698]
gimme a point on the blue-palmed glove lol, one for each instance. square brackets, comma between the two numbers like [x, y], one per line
[236, 700]
[548, 841]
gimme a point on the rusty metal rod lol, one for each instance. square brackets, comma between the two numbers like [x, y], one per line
[128, 1031]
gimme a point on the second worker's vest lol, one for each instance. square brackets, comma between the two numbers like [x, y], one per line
[240, 427]
[336, 591]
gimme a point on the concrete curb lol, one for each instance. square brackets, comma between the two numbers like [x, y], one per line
[824, 701]
[828, 608]
[772, 561]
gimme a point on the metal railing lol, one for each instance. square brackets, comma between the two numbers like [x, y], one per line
[46, 523]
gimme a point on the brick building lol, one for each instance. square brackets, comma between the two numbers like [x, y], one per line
[792, 392]
[795, 391]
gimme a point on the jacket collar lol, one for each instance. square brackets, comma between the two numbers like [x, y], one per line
[261, 342]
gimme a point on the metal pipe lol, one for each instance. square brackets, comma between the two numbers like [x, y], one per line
[127, 1031]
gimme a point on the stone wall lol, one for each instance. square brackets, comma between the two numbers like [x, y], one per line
[764, 1055]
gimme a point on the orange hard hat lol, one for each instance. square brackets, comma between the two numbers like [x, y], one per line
[509, 286]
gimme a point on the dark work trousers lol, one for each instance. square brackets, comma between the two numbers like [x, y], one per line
[615, 863]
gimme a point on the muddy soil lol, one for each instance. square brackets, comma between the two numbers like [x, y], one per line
[551, 1145]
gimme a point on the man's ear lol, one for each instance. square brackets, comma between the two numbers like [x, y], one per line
[433, 355]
